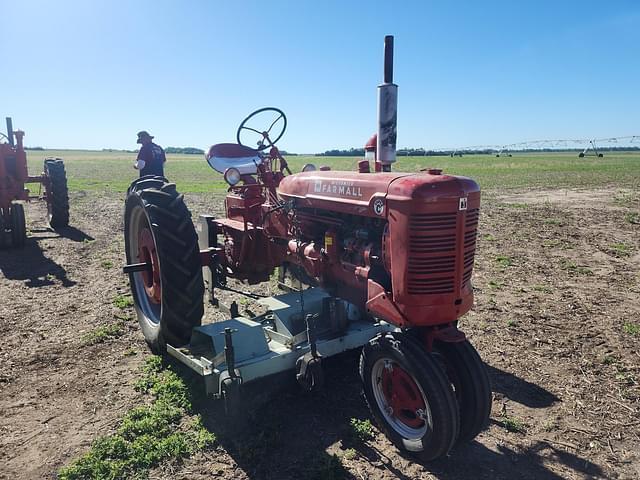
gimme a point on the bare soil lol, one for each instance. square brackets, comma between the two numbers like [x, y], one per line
[557, 281]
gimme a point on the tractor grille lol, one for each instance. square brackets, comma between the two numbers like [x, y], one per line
[470, 232]
[432, 252]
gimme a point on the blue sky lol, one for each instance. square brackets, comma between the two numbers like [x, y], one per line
[90, 74]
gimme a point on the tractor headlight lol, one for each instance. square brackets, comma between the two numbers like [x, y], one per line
[232, 176]
[309, 167]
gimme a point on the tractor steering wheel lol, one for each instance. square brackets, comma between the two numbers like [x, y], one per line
[264, 138]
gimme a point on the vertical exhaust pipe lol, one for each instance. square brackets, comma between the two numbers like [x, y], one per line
[387, 111]
[10, 131]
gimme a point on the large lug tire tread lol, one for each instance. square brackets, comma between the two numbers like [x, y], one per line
[409, 353]
[18, 225]
[5, 237]
[469, 376]
[58, 193]
[180, 266]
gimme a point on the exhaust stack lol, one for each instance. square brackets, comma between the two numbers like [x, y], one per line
[387, 111]
[10, 131]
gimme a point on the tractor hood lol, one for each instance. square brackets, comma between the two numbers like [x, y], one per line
[365, 193]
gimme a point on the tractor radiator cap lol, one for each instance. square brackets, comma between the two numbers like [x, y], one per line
[432, 171]
[324, 168]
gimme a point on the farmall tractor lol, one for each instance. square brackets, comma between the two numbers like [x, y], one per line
[13, 177]
[387, 258]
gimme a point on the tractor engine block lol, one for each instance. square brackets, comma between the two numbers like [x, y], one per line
[339, 251]
[399, 246]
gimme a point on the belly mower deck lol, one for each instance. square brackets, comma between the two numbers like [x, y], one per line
[240, 349]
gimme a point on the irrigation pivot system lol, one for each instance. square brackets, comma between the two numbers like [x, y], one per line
[584, 146]
[13, 192]
[384, 258]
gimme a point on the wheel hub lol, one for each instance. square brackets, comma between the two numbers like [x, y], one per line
[403, 397]
[147, 254]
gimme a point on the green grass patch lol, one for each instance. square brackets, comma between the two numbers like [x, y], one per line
[625, 378]
[631, 328]
[362, 429]
[504, 261]
[626, 199]
[632, 218]
[550, 425]
[123, 317]
[106, 264]
[102, 334]
[512, 424]
[621, 249]
[350, 454]
[552, 221]
[542, 288]
[147, 435]
[123, 301]
[573, 267]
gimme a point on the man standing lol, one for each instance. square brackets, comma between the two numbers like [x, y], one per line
[151, 157]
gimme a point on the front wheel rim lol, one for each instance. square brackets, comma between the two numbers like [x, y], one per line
[400, 399]
[148, 299]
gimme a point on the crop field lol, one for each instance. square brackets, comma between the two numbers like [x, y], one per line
[113, 171]
[556, 319]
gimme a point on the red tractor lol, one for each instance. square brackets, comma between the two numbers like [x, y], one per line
[387, 258]
[13, 177]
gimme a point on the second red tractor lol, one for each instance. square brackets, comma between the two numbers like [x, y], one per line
[14, 176]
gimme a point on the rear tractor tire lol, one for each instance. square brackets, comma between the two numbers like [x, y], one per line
[18, 225]
[5, 237]
[409, 395]
[158, 230]
[57, 193]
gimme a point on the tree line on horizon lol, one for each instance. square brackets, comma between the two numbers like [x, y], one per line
[402, 152]
[421, 152]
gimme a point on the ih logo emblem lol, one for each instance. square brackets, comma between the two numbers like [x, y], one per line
[463, 203]
[378, 206]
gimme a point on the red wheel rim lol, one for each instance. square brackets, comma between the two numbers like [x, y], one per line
[403, 395]
[147, 254]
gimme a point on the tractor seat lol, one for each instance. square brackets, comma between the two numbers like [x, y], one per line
[227, 155]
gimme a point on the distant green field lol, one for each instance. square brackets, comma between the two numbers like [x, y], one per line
[91, 170]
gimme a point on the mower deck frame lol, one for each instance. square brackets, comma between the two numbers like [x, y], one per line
[272, 342]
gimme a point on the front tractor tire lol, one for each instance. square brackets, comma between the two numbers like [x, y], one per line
[472, 388]
[57, 193]
[18, 225]
[409, 396]
[158, 231]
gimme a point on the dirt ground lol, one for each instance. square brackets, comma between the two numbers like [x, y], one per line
[556, 319]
